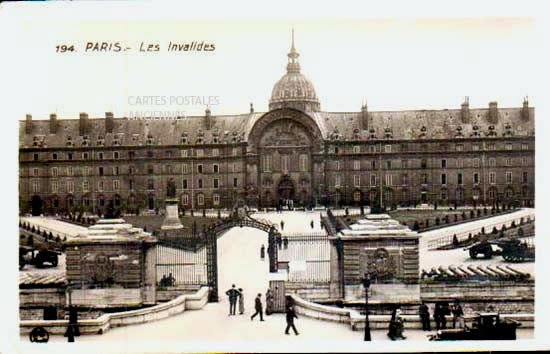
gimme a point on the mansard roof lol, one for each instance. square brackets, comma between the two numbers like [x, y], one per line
[334, 126]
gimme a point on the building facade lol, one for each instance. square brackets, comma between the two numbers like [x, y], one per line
[294, 151]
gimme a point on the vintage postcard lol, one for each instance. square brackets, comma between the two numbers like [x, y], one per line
[285, 183]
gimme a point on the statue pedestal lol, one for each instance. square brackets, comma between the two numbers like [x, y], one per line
[172, 220]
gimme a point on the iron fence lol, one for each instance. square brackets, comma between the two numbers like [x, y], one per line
[178, 265]
[306, 256]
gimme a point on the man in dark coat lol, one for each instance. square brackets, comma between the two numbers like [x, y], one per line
[258, 308]
[233, 295]
[262, 252]
[290, 316]
[458, 314]
[425, 317]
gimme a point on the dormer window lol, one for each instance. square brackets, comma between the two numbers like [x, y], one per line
[216, 140]
[150, 139]
[199, 140]
[388, 133]
[85, 140]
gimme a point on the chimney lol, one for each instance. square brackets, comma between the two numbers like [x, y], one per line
[493, 112]
[28, 124]
[207, 121]
[525, 114]
[465, 110]
[251, 108]
[364, 117]
[53, 123]
[109, 122]
[83, 126]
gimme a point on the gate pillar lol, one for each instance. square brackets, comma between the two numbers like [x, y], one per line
[272, 250]
[212, 265]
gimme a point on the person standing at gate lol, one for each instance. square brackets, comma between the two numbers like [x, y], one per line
[241, 301]
[424, 313]
[458, 314]
[312, 224]
[282, 225]
[290, 316]
[258, 307]
[233, 295]
[262, 252]
[269, 300]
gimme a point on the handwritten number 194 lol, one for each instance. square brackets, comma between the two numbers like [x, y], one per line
[64, 48]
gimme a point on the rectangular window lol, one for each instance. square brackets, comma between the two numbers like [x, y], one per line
[357, 181]
[115, 170]
[459, 178]
[199, 168]
[337, 180]
[267, 163]
[185, 186]
[200, 183]
[356, 149]
[36, 187]
[70, 187]
[475, 147]
[476, 162]
[303, 163]
[54, 171]
[423, 163]
[372, 149]
[150, 184]
[404, 179]
[508, 177]
[404, 163]
[443, 163]
[285, 162]
[198, 152]
[216, 183]
[492, 178]
[100, 169]
[460, 163]
[523, 147]
[100, 156]
[443, 179]
[235, 182]
[215, 152]
[216, 199]
[459, 147]
[35, 157]
[356, 165]
[216, 168]
[100, 185]
[476, 178]
[131, 155]
[424, 178]
[70, 155]
[508, 161]
[131, 185]
[235, 151]
[116, 155]
[200, 199]
[70, 171]
[389, 179]
[388, 165]
[373, 180]
[54, 156]
[35, 172]
[116, 185]
[232, 168]
[185, 199]
[492, 162]
[85, 186]
[373, 165]
[404, 148]
[184, 153]
[387, 148]
[337, 165]
[508, 146]
[185, 169]
[524, 178]
[54, 186]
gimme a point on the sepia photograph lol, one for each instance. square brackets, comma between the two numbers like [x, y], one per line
[272, 184]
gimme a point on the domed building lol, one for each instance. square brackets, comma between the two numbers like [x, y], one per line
[293, 154]
[294, 90]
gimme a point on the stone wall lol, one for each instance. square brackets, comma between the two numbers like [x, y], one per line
[309, 291]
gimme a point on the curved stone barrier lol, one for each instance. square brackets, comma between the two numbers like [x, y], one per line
[357, 320]
[103, 323]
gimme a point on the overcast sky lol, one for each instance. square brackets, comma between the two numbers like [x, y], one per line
[394, 64]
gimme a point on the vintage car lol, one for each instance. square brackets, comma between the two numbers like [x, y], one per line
[511, 249]
[30, 255]
[480, 326]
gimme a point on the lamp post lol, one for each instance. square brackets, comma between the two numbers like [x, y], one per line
[366, 284]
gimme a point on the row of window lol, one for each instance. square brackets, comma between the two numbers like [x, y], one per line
[491, 179]
[389, 164]
[404, 147]
[132, 154]
[101, 185]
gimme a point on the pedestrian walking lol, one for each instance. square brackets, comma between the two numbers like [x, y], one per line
[458, 315]
[282, 225]
[258, 308]
[241, 301]
[312, 224]
[262, 252]
[269, 301]
[424, 313]
[233, 295]
[290, 316]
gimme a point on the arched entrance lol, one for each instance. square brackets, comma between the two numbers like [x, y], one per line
[285, 189]
[36, 205]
